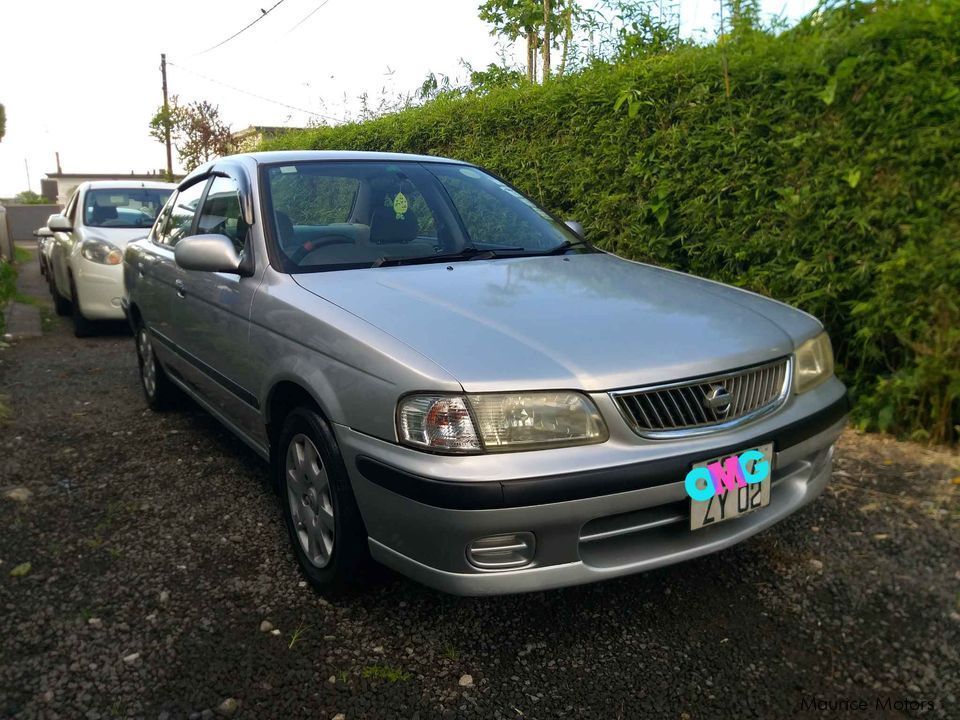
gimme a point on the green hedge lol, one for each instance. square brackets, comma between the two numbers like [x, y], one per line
[828, 179]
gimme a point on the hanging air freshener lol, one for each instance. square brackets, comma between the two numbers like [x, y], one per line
[400, 205]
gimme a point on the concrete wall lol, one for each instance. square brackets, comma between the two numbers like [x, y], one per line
[22, 220]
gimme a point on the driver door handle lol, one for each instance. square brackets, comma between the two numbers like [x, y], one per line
[179, 286]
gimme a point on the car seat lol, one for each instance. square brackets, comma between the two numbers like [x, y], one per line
[385, 228]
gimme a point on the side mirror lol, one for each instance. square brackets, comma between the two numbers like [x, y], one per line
[43, 232]
[576, 227]
[59, 223]
[207, 253]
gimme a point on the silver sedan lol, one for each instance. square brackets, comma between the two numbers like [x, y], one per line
[450, 381]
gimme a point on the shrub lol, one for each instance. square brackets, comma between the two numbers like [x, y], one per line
[827, 179]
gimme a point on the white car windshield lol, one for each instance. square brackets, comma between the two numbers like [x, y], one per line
[123, 208]
[352, 214]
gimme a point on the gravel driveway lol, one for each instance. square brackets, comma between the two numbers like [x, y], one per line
[160, 585]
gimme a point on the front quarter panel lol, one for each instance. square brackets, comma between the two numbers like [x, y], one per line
[355, 371]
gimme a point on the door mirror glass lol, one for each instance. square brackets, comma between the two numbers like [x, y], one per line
[207, 253]
[59, 223]
[576, 227]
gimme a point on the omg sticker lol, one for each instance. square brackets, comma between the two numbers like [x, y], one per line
[729, 473]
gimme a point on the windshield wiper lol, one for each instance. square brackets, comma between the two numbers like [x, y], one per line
[468, 253]
[564, 246]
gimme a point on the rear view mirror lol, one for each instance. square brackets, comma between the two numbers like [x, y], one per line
[59, 223]
[576, 227]
[207, 253]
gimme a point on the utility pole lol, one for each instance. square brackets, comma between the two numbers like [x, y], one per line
[545, 50]
[59, 171]
[166, 116]
[27, 166]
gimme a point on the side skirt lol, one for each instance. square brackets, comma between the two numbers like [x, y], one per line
[258, 448]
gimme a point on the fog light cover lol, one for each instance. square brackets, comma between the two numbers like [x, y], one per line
[502, 552]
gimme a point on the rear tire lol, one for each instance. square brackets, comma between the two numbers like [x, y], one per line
[160, 393]
[81, 326]
[321, 513]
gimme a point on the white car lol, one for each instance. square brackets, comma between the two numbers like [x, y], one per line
[89, 237]
[42, 234]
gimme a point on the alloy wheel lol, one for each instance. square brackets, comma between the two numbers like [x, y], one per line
[148, 365]
[309, 500]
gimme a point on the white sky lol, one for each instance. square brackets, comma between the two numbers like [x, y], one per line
[83, 78]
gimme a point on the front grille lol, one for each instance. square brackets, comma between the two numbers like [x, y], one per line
[704, 404]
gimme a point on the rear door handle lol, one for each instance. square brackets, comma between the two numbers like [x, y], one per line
[179, 286]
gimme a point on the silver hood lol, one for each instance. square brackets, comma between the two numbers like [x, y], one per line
[593, 322]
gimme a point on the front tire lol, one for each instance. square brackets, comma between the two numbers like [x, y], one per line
[60, 303]
[160, 393]
[81, 326]
[321, 513]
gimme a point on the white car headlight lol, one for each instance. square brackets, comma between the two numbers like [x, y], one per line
[101, 252]
[499, 422]
[814, 363]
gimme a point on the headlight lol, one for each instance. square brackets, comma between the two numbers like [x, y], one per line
[814, 363]
[499, 422]
[101, 252]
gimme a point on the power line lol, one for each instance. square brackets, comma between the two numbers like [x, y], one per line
[255, 95]
[263, 14]
[309, 15]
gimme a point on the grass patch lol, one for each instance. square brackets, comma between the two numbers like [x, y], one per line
[8, 288]
[385, 672]
[28, 299]
[21, 255]
[297, 634]
[47, 318]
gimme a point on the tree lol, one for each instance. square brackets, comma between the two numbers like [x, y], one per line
[196, 129]
[29, 197]
[540, 23]
[536, 21]
[3, 121]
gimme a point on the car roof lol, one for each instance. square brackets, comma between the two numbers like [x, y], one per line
[280, 156]
[127, 185]
[250, 161]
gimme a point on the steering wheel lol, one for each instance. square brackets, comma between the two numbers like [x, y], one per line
[308, 247]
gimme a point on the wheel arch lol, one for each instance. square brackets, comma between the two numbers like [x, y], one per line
[134, 316]
[285, 394]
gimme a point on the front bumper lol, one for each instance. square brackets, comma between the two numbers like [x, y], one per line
[100, 288]
[596, 520]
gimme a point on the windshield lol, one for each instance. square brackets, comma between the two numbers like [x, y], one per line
[123, 207]
[338, 215]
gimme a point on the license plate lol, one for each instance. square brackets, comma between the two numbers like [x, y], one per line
[730, 504]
